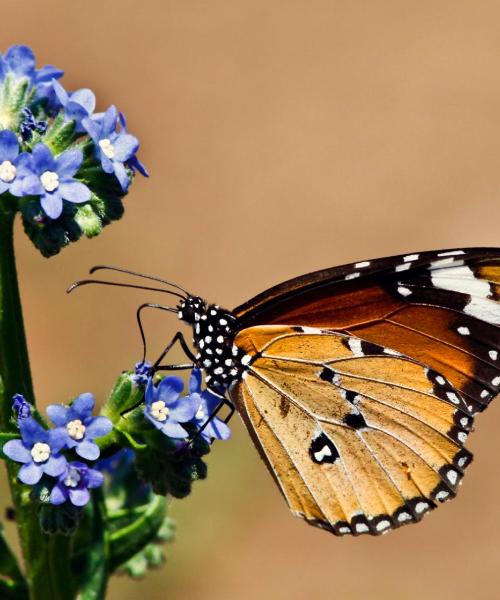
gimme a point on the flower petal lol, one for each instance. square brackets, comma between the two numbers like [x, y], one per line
[32, 186]
[79, 497]
[9, 146]
[94, 478]
[87, 449]
[47, 73]
[20, 59]
[125, 147]
[17, 451]
[84, 98]
[195, 381]
[82, 406]
[42, 159]
[98, 427]
[93, 129]
[75, 191]
[58, 439]
[57, 413]
[61, 93]
[217, 429]
[32, 431]
[173, 429]
[52, 205]
[109, 121]
[68, 163]
[122, 175]
[55, 466]
[58, 495]
[185, 408]
[169, 389]
[30, 473]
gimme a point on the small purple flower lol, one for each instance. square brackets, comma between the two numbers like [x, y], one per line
[19, 61]
[13, 166]
[115, 149]
[79, 427]
[74, 484]
[38, 450]
[29, 124]
[77, 106]
[142, 372]
[52, 179]
[134, 163]
[165, 409]
[20, 406]
[207, 403]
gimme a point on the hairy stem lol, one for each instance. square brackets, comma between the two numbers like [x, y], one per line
[40, 552]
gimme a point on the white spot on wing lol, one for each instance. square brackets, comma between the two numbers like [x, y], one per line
[451, 253]
[362, 265]
[355, 346]
[421, 507]
[459, 278]
[382, 525]
[495, 381]
[404, 516]
[484, 309]
[463, 331]
[410, 257]
[362, 527]
[452, 476]
[403, 267]
[404, 291]
[320, 454]
[351, 276]
[493, 354]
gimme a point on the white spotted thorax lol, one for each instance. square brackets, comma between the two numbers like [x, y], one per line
[40, 452]
[214, 329]
[7, 171]
[50, 181]
[76, 429]
[159, 411]
[73, 478]
[107, 147]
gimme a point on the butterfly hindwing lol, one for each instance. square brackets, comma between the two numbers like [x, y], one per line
[360, 438]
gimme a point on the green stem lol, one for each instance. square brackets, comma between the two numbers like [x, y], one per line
[41, 552]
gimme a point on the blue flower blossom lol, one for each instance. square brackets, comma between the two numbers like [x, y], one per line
[21, 406]
[77, 106]
[141, 373]
[79, 428]
[38, 450]
[166, 409]
[207, 403]
[134, 163]
[115, 149]
[74, 484]
[19, 62]
[13, 166]
[52, 179]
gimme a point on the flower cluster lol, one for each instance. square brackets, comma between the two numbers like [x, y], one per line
[43, 452]
[166, 409]
[64, 166]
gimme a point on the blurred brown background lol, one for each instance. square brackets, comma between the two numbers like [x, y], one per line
[282, 137]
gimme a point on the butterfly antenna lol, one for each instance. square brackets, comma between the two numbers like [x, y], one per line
[83, 282]
[136, 274]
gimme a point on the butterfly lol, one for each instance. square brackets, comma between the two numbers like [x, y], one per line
[358, 384]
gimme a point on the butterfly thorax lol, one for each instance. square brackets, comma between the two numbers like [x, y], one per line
[214, 329]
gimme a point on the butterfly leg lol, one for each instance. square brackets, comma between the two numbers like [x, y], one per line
[223, 402]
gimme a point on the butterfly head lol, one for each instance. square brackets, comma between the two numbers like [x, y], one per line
[191, 309]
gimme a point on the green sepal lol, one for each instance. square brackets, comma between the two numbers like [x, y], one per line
[60, 134]
[62, 519]
[11, 578]
[124, 396]
[89, 222]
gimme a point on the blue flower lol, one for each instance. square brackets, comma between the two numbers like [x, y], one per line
[114, 149]
[38, 450]
[52, 179]
[77, 106]
[13, 166]
[134, 163]
[165, 409]
[79, 427]
[21, 406]
[19, 62]
[207, 402]
[74, 484]
[141, 373]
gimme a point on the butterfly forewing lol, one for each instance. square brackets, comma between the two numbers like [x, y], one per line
[360, 438]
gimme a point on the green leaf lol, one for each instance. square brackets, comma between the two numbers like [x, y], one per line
[130, 540]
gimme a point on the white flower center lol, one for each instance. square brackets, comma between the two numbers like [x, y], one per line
[76, 429]
[50, 180]
[7, 171]
[201, 414]
[159, 411]
[72, 478]
[40, 452]
[107, 147]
